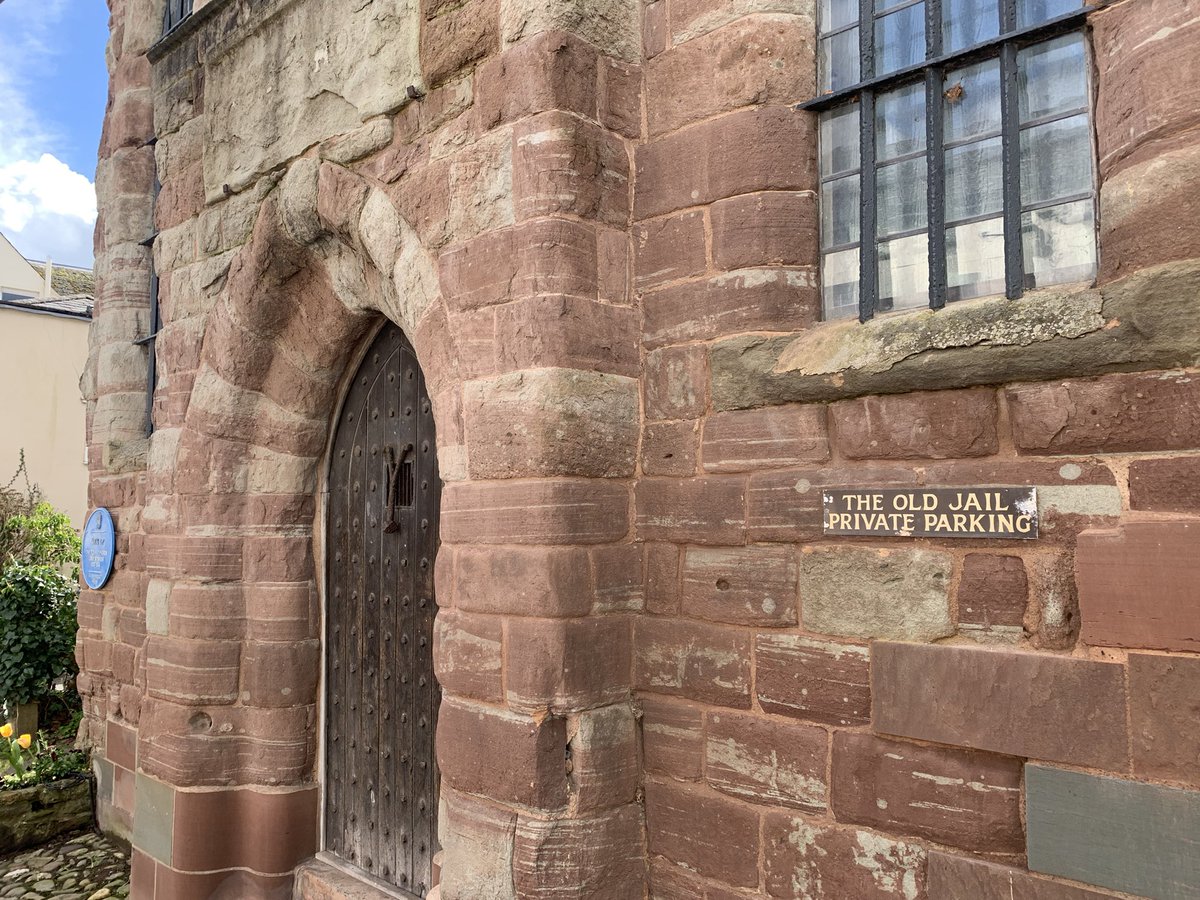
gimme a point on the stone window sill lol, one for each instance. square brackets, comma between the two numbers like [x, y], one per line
[1148, 320]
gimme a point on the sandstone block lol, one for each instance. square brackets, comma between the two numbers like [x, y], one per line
[758, 59]
[765, 761]
[196, 672]
[962, 798]
[876, 593]
[621, 97]
[550, 71]
[655, 33]
[672, 737]
[619, 583]
[662, 579]
[605, 767]
[709, 663]
[280, 673]
[468, 655]
[1137, 585]
[611, 25]
[992, 591]
[522, 581]
[669, 249]
[1165, 485]
[741, 585]
[1113, 414]
[566, 665]
[756, 149]
[1022, 704]
[770, 438]
[829, 863]
[457, 37]
[814, 680]
[692, 18]
[567, 332]
[478, 841]
[777, 228]
[692, 510]
[511, 758]
[594, 855]
[675, 382]
[952, 877]
[1164, 696]
[936, 425]
[670, 448]
[541, 511]
[726, 847]
[551, 422]
[563, 165]
[746, 300]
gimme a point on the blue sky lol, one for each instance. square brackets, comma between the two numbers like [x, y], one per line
[53, 85]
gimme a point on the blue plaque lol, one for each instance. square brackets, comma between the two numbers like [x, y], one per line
[99, 548]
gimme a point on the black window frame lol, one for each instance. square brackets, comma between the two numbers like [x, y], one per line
[175, 13]
[931, 71]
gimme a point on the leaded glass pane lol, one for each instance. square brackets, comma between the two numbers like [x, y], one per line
[839, 284]
[837, 14]
[1030, 12]
[971, 101]
[904, 273]
[1052, 78]
[900, 39]
[900, 122]
[975, 259]
[900, 196]
[839, 60]
[974, 180]
[966, 23]
[839, 140]
[840, 208]
[1056, 160]
[1059, 243]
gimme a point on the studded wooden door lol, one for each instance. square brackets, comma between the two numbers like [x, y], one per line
[381, 696]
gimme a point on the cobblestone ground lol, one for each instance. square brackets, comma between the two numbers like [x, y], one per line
[82, 866]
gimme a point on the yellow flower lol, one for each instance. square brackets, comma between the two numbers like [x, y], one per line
[6, 731]
[25, 740]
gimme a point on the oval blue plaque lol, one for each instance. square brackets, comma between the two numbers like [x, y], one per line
[99, 548]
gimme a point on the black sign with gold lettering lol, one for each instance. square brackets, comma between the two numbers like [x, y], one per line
[1000, 513]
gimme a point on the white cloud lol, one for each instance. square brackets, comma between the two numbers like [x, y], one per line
[46, 208]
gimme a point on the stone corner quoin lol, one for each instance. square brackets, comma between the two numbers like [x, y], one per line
[473, 542]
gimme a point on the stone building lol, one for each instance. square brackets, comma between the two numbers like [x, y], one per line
[578, 290]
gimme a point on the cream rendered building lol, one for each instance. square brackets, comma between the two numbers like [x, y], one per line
[43, 348]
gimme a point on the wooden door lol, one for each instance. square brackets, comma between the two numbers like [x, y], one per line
[381, 696]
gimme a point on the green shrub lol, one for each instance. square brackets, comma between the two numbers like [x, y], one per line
[37, 630]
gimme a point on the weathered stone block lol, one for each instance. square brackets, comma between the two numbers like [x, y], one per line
[962, 798]
[675, 383]
[1137, 585]
[765, 761]
[662, 579]
[1113, 414]
[992, 591]
[551, 422]
[550, 71]
[605, 767]
[1165, 485]
[599, 855]
[777, 228]
[543, 511]
[1140, 837]
[611, 25]
[692, 510]
[709, 663]
[765, 148]
[34, 815]
[670, 448]
[522, 581]
[1021, 704]
[1164, 702]
[955, 877]
[669, 249]
[468, 655]
[741, 585]
[477, 839]
[727, 847]
[930, 425]
[457, 37]
[692, 18]
[567, 332]
[566, 665]
[810, 679]
[821, 862]
[876, 593]
[759, 59]
[769, 438]
[672, 737]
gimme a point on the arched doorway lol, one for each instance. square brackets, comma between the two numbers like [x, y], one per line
[381, 697]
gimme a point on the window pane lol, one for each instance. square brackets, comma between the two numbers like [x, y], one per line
[1059, 243]
[900, 122]
[971, 101]
[904, 273]
[840, 210]
[900, 195]
[839, 282]
[1030, 12]
[1052, 77]
[974, 180]
[839, 60]
[1056, 160]
[975, 260]
[839, 140]
[968, 22]
[900, 39]
[838, 14]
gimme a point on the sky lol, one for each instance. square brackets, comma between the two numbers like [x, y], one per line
[53, 85]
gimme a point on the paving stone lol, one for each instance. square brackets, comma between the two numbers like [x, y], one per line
[84, 866]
